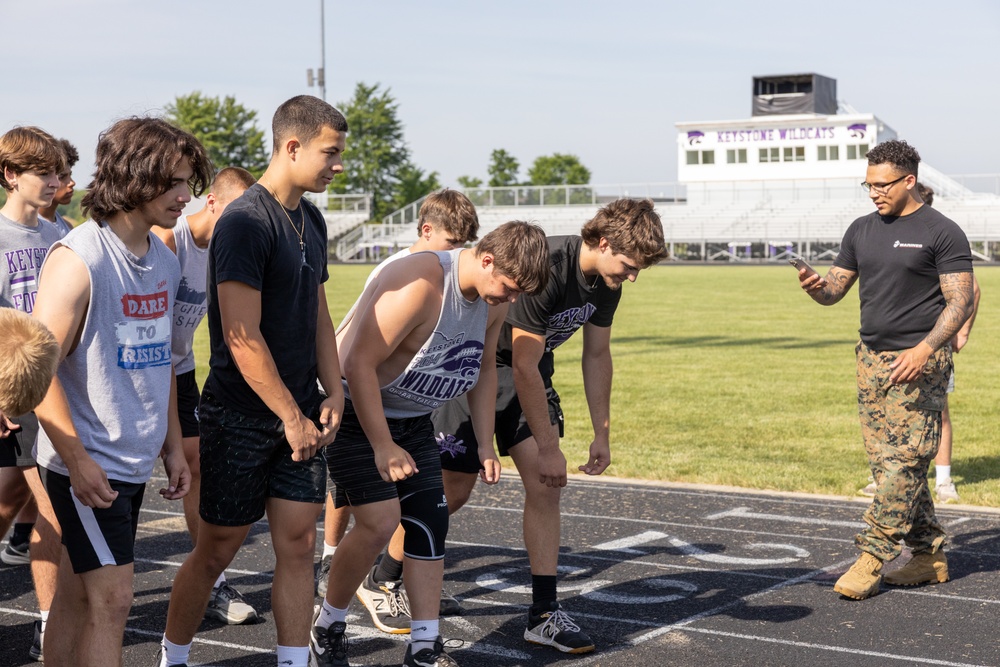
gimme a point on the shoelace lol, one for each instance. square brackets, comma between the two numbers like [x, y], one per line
[337, 644]
[399, 603]
[558, 620]
[228, 593]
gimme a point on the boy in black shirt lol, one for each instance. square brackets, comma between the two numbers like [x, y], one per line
[915, 271]
[586, 273]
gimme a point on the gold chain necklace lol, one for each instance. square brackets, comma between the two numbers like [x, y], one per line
[302, 219]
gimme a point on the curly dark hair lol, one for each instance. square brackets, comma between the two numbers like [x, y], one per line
[136, 158]
[898, 153]
[72, 155]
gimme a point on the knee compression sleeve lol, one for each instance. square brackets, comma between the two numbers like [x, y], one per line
[425, 522]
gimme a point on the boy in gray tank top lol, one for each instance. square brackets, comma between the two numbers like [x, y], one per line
[189, 240]
[424, 332]
[107, 292]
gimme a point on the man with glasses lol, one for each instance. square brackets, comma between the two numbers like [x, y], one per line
[916, 284]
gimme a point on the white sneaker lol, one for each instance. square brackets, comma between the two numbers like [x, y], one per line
[227, 605]
[945, 491]
[870, 489]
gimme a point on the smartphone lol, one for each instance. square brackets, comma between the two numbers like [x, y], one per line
[800, 264]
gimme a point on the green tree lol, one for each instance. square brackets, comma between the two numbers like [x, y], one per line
[413, 185]
[376, 154]
[469, 182]
[226, 129]
[503, 169]
[558, 169]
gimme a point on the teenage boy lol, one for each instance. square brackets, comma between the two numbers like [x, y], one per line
[262, 420]
[189, 240]
[106, 293]
[447, 220]
[30, 161]
[64, 195]
[916, 290]
[586, 274]
[424, 332]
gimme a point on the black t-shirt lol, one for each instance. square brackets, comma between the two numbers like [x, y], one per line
[567, 303]
[255, 244]
[899, 261]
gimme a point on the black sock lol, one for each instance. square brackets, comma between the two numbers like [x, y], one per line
[22, 533]
[543, 592]
[389, 569]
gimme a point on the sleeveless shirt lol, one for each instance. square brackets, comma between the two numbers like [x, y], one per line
[191, 304]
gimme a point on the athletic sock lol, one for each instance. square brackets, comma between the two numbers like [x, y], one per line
[296, 656]
[44, 613]
[328, 549]
[220, 581]
[389, 569]
[330, 615]
[942, 473]
[543, 592]
[174, 654]
[423, 634]
[22, 533]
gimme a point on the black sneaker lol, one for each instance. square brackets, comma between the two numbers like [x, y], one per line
[328, 646]
[35, 652]
[553, 627]
[323, 577]
[387, 603]
[450, 606]
[428, 657]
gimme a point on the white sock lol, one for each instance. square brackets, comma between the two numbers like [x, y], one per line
[45, 618]
[942, 473]
[221, 580]
[174, 654]
[296, 656]
[328, 550]
[330, 615]
[423, 634]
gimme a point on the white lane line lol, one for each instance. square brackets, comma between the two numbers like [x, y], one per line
[229, 570]
[913, 660]
[625, 544]
[746, 513]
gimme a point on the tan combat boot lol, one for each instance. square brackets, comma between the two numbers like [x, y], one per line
[923, 568]
[862, 580]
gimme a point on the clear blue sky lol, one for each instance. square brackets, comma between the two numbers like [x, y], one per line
[603, 80]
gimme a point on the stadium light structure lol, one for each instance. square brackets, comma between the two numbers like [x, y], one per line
[320, 78]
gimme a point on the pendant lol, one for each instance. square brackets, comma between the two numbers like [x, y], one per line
[302, 249]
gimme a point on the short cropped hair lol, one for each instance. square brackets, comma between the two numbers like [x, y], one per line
[451, 211]
[231, 180]
[896, 152]
[304, 117]
[136, 159]
[29, 355]
[72, 155]
[24, 149]
[926, 193]
[631, 227]
[520, 252]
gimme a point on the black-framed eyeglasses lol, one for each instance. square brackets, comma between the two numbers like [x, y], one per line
[882, 188]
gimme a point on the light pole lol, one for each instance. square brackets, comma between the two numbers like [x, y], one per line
[320, 79]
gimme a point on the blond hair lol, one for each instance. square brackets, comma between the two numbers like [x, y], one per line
[29, 355]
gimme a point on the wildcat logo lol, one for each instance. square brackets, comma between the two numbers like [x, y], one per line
[449, 444]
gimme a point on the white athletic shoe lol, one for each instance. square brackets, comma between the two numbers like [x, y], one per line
[227, 605]
[945, 491]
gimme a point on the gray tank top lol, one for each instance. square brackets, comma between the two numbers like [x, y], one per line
[24, 249]
[447, 364]
[191, 306]
[117, 380]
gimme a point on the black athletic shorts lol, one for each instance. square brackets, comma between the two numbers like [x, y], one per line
[95, 537]
[457, 440]
[351, 460]
[246, 460]
[187, 404]
[15, 449]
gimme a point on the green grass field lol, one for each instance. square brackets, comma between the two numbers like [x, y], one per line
[731, 375]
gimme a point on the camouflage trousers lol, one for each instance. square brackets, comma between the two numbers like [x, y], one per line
[901, 427]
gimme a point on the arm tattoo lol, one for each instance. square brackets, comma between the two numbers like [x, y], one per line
[838, 282]
[958, 293]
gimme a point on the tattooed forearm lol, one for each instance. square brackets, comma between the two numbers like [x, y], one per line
[838, 283]
[958, 293]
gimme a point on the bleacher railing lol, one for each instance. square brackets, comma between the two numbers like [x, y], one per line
[329, 201]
